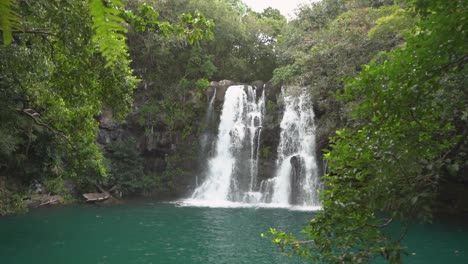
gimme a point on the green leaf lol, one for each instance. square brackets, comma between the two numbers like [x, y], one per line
[9, 20]
[109, 28]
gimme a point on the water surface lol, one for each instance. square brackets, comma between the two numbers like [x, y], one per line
[146, 232]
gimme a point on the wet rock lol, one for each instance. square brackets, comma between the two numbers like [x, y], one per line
[220, 93]
[36, 188]
[258, 86]
[70, 187]
[210, 90]
[221, 89]
[297, 168]
[272, 91]
[226, 83]
[160, 141]
[38, 200]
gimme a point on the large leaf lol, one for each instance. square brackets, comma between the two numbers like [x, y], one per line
[9, 20]
[109, 30]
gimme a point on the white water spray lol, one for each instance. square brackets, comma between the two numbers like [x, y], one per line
[296, 180]
[231, 174]
[240, 127]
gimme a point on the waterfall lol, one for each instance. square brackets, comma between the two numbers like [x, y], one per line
[231, 174]
[208, 121]
[232, 171]
[207, 136]
[296, 180]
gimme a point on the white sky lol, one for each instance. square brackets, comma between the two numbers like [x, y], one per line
[286, 7]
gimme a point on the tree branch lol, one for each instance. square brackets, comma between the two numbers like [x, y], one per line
[300, 242]
[36, 118]
[38, 31]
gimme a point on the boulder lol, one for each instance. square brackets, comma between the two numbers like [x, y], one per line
[221, 89]
[226, 83]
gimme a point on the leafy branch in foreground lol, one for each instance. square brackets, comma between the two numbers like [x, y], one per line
[409, 135]
[65, 65]
[109, 24]
[192, 28]
[110, 30]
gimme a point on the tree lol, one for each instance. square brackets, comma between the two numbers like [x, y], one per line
[410, 135]
[324, 45]
[62, 63]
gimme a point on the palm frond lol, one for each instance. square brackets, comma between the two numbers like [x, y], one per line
[9, 20]
[109, 30]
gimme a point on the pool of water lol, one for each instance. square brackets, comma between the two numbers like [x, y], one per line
[147, 232]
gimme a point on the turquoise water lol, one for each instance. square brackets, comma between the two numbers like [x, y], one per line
[148, 232]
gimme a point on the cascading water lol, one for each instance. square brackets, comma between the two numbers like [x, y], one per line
[206, 124]
[207, 136]
[231, 173]
[228, 177]
[296, 181]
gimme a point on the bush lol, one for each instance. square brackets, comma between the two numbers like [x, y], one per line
[125, 166]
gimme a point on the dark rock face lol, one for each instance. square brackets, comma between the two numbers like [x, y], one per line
[268, 144]
[297, 165]
[271, 130]
[221, 88]
[211, 90]
[258, 85]
[159, 146]
[272, 91]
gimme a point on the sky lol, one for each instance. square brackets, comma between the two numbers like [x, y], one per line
[286, 7]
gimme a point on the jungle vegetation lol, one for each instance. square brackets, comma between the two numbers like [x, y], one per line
[388, 80]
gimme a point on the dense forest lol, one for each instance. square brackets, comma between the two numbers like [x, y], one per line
[108, 95]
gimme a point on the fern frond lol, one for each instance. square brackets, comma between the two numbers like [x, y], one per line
[9, 20]
[109, 30]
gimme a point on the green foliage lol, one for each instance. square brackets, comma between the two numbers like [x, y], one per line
[170, 115]
[9, 20]
[152, 182]
[54, 85]
[11, 203]
[397, 23]
[285, 74]
[408, 135]
[67, 63]
[265, 152]
[331, 40]
[126, 167]
[202, 84]
[55, 186]
[192, 28]
[164, 180]
[242, 48]
[11, 199]
[109, 30]
[270, 106]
